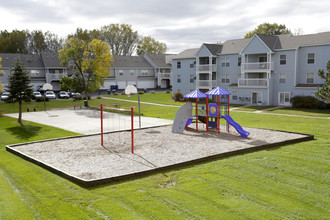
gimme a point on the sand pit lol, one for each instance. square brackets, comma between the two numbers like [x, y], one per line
[84, 161]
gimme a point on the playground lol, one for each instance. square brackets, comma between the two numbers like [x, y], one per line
[84, 161]
[126, 146]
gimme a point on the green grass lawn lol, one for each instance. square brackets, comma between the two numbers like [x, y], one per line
[290, 182]
[306, 112]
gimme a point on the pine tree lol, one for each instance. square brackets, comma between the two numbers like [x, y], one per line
[19, 87]
[323, 93]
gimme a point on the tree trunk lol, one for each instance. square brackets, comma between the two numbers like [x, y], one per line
[20, 112]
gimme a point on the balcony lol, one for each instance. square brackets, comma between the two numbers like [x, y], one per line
[257, 67]
[164, 75]
[253, 83]
[55, 76]
[206, 83]
[207, 68]
[37, 75]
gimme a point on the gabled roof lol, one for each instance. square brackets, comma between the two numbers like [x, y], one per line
[186, 54]
[51, 60]
[130, 62]
[293, 42]
[214, 48]
[27, 60]
[157, 60]
[269, 40]
[234, 46]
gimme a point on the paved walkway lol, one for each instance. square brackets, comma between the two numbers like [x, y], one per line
[86, 121]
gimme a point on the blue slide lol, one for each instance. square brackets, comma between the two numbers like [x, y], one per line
[238, 128]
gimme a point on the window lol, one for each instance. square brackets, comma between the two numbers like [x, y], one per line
[234, 95]
[121, 72]
[178, 79]
[191, 65]
[239, 76]
[282, 78]
[225, 62]
[239, 61]
[34, 71]
[311, 58]
[144, 72]
[131, 72]
[224, 78]
[310, 77]
[178, 65]
[192, 78]
[282, 59]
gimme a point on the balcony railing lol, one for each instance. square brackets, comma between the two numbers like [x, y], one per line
[206, 83]
[55, 77]
[37, 75]
[254, 83]
[164, 75]
[263, 66]
[207, 67]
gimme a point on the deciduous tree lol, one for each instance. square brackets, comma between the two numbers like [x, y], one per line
[323, 92]
[150, 45]
[269, 29]
[91, 61]
[121, 38]
[19, 87]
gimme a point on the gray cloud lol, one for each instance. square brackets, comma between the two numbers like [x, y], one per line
[181, 24]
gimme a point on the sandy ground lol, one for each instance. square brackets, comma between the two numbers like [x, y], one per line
[85, 158]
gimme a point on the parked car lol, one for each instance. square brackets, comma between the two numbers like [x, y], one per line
[5, 96]
[63, 95]
[50, 95]
[36, 95]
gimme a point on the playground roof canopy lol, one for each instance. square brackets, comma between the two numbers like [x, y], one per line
[195, 95]
[218, 91]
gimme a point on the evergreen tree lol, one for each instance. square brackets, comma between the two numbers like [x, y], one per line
[323, 93]
[19, 87]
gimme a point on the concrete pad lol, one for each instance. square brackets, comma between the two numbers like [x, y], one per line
[86, 121]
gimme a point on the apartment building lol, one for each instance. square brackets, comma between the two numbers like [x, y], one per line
[145, 72]
[42, 68]
[263, 70]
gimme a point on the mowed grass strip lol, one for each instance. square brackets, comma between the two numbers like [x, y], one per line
[286, 182]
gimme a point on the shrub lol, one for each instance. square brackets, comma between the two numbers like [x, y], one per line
[305, 102]
[98, 97]
[115, 93]
[141, 92]
[178, 96]
[123, 93]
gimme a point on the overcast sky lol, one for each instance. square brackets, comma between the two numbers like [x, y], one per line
[181, 24]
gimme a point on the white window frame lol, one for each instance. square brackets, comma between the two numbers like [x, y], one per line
[310, 78]
[279, 98]
[310, 60]
[178, 78]
[225, 62]
[282, 78]
[283, 60]
[192, 78]
[261, 96]
[178, 64]
[234, 95]
[225, 78]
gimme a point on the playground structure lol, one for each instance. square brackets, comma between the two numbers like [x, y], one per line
[118, 110]
[208, 113]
